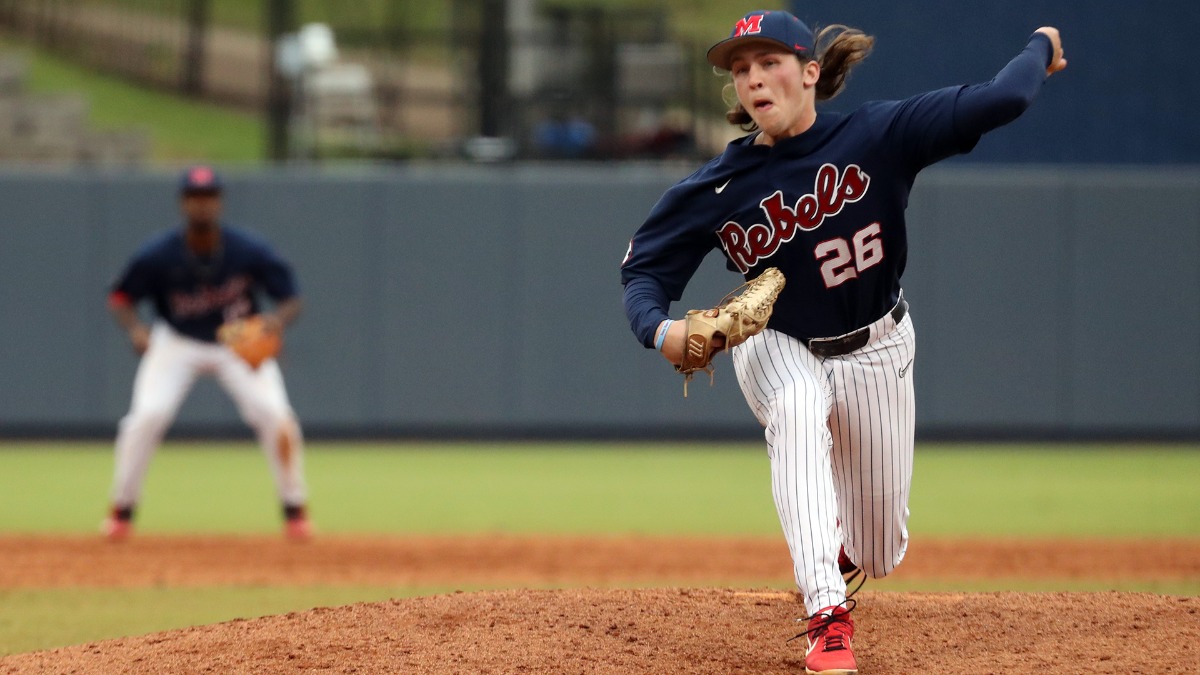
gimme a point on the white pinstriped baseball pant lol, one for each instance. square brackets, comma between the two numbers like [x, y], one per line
[839, 434]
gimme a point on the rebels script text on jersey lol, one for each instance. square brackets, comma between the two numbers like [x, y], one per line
[196, 294]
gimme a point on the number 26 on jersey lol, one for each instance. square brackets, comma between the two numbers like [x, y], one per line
[844, 259]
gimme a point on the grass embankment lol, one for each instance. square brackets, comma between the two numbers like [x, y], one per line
[180, 129]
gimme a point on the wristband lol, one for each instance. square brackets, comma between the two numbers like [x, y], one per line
[662, 334]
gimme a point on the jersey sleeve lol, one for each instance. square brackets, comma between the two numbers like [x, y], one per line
[663, 255]
[983, 107]
[272, 272]
[134, 283]
[277, 279]
[930, 127]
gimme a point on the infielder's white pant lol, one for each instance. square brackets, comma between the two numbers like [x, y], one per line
[839, 434]
[166, 374]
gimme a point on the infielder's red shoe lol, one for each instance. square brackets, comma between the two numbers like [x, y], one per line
[298, 529]
[296, 526]
[829, 633]
[115, 528]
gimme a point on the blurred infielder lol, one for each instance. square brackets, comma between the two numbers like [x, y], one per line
[820, 196]
[199, 278]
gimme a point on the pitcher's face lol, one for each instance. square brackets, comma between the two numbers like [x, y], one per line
[776, 88]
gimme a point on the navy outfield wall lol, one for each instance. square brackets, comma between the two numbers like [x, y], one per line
[484, 301]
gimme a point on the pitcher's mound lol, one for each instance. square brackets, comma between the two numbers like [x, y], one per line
[666, 631]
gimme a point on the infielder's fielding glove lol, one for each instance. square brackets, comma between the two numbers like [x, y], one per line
[251, 339]
[736, 319]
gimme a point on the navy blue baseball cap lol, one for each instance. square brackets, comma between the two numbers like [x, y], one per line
[200, 180]
[773, 26]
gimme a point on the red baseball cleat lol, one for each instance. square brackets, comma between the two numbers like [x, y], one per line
[116, 527]
[829, 633]
[296, 526]
[298, 529]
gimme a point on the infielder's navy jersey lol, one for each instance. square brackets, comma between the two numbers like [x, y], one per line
[826, 207]
[196, 294]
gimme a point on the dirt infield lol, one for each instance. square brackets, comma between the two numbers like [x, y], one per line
[620, 630]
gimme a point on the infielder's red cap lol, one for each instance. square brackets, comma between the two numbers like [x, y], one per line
[773, 26]
[200, 180]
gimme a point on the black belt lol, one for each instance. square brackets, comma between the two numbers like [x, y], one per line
[838, 346]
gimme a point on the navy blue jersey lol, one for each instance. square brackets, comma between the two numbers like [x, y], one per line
[826, 207]
[196, 294]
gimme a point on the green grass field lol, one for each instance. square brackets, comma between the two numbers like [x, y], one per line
[555, 488]
[1119, 491]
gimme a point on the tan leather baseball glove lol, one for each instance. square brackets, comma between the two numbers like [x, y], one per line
[251, 338]
[735, 319]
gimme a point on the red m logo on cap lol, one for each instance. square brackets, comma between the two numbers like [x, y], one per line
[748, 25]
[201, 175]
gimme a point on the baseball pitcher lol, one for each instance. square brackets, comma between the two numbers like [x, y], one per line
[820, 198]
